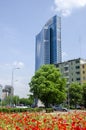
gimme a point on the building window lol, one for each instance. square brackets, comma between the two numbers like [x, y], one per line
[77, 61]
[77, 72]
[77, 79]
[65, 68]
[82, 66]
[83, 72]
[77, 67]
[57, 65]
[72, 79]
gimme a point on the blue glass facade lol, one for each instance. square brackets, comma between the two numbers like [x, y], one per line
[48, 43]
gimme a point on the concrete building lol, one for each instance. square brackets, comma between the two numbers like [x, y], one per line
[7, 91]
[73, 70]
[48, 43]
[83, 72]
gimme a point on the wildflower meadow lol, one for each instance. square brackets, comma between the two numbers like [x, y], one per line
[75, 120]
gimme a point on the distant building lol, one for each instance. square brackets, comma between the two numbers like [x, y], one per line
[0, 92]
[48, 43]
[8, 91]
[73, 70]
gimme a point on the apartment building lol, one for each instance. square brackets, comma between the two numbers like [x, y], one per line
[73, 70]
[83, 73]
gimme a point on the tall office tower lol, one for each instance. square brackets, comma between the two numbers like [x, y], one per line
[48, 43]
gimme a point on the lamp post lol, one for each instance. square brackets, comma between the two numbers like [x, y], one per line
[12, 84]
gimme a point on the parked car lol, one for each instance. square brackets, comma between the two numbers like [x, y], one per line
[78, 107]
[21, 106]
[59, 108]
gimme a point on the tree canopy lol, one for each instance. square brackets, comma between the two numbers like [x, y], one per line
[48, 85]
[75, 94]
[84, 94]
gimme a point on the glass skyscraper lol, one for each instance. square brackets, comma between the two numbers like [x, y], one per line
[48, 43]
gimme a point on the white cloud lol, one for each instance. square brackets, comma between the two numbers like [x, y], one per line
[12, 65]
[65, 7]
[18, 64]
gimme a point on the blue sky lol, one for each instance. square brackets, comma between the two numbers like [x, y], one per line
[21, 21]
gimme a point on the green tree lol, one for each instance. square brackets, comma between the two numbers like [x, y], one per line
[75, 94]
[27, 101]
[6, 101]
[10, 100]
[23, 101]
[84, 94]
[15, 100]
[30, 100]
[48, 85]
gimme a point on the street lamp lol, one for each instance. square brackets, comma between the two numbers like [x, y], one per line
[12, 81]
[12, 84]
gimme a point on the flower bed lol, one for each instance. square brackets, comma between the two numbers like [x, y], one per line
[43, 121]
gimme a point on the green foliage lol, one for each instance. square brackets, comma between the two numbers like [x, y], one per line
[30, 100]
[23, 101]
[48, 110]
[10, 100]
[10, 110]
[48, 85]
[27, 101]
[84, 94]
[15, 100]
[75, 94]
